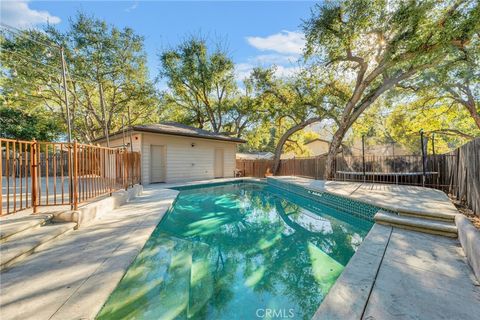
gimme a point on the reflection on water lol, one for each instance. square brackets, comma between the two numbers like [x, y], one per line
[234, 252]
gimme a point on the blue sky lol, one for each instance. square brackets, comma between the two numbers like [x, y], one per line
[256, 33]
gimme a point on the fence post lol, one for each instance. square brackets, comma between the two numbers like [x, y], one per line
[34, 164]
[423, 157]
[75, 175]
[363, 157]
[294, 166]
[433, 144]
[125, 170]
[1, 180]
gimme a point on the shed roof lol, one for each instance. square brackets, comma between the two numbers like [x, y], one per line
[317, 139]
[179, 129]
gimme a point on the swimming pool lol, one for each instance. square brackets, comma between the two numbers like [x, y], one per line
[238, 251]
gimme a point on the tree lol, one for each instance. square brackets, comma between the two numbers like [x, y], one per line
[450, 124]
[376, 45]
[18, 124]
[201, 83]
[107, 75]
[202, 90]
[457, 82]
[296, 103]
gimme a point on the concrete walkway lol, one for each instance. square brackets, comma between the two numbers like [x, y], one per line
[423, 277]
[72, 279]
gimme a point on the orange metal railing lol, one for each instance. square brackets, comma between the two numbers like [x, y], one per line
[50, 173]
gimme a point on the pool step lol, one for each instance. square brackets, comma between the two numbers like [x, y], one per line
[21, 244]
[161, 270]
[176, 287]
[415, 223]
[201, 279]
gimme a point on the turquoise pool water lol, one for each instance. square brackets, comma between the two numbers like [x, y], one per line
[238, 251]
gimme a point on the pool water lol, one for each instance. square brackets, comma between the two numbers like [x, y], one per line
[238, 251]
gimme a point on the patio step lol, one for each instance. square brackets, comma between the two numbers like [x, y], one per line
[431, 215]
[22, 244]
[10, 226]
[415, 223]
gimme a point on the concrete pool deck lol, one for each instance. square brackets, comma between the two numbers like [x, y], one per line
[410, 199]
[399, 274]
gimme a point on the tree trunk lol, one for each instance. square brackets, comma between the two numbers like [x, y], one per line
[474, 113]
[104, 113]
[332, 153]
[284, 138]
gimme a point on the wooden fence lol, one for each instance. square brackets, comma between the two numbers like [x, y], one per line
[457, 172]
[464, 174]
[36, 174]
[312, 167]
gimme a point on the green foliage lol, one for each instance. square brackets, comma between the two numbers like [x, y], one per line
[259, 138]
[291, 102]
[98, 56]
[372, 46]
[203, 91]
[18, 124]
[383, 69]
[451, 124]
[296, 143]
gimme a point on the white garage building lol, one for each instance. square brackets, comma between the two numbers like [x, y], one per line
[173, 152]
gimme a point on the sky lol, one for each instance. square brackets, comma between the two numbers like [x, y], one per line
[255, 33]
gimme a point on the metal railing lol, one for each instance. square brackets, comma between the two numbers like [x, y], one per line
[37, 174]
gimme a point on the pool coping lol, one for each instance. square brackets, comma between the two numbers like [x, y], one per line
[348, 297]
[436, 203]
[210, 182]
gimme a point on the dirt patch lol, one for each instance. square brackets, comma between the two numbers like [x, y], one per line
[463, 209]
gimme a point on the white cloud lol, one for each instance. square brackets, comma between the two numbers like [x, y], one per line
[268, 59]
[283, 51]
[285, 42]
[132, 7]
[18, 14]
[284, 72]
[243, 70]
